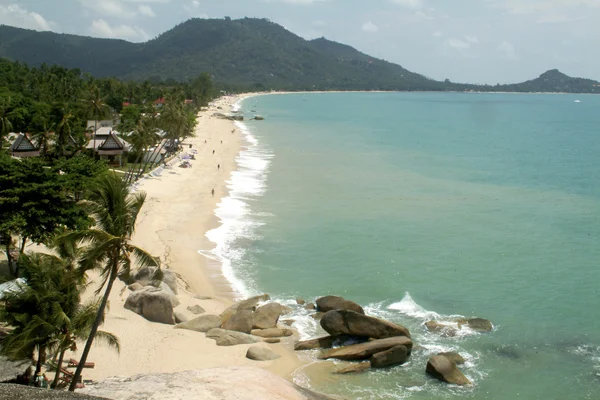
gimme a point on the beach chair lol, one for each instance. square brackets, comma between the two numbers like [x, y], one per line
[66, 377]
[73, 363]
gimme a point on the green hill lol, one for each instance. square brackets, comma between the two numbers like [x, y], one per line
[244, 53]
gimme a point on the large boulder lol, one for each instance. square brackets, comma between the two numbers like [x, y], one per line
[165, 288]
[232, 338]
[442, 329]
[397, 355]
[353, 368]
[477, 324]
[215, 333]
[152, 304]
[259, 353]
[170, 279]
[135, 286]
[343, 322]
[272, 332]
[318, 343]
[149, 276]
[445, 370]
[362, 351]
[252, 302]
[196, 309]
[203, 323]
[453, 356]
[267, 316]
[241, 321]
[329, 303]
[180, 317]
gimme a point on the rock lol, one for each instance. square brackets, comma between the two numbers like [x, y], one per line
[170, 279]
[272, 340]
[152, 304]
[135, 286]
[252, 302]
[318, 343]
[329, 303]
[149, 276]
[300, 301]
[267, 316]
[343, 322]
[444, 369]
[241, 321]
[317, 316]
[452, 356]
[353, 368]
[232, 338]
[397, 355]
[165, 288]
[272, 332]
[362, 351]
[258, 118]
[480, 324]
[310, 306]
[197, 296]
[285, 310]
[442, 329]
[231, 383]
[288, 322]
[259, 353]
[180, 317]
[196, 309]
[215, 333]
[11, 391]
[203, 323]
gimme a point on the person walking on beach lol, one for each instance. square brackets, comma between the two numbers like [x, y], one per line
[213, 192]
[213, 152]
[218, 166]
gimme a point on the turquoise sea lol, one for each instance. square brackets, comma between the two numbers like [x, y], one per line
[427, 206]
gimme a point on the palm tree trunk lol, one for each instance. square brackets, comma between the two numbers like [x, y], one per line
[97, 322]
[9, 257]
[61, 357]
[41, 359]
[23, 241]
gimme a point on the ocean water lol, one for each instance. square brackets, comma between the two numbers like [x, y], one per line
[427, 206]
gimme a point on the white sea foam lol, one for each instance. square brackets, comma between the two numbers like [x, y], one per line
[234, 213]
[409, 307]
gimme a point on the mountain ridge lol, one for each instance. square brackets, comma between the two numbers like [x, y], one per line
[246, 53]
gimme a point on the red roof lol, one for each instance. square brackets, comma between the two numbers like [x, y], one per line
[126, 103]
[188, 101]
[159, 101]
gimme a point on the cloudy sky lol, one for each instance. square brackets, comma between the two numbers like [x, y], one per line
[476, 41]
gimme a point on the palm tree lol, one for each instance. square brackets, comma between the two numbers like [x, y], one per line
[42, 137]
[95, 106]
[109, 244]
[39, 308]
[143, 136]
[5, 124]
[66, 124]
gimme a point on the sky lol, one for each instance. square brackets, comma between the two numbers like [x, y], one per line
[472, 41]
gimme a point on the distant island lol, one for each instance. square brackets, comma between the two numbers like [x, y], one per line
[246, 54]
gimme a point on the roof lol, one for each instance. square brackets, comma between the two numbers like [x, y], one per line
[160, 101]
[105, 123]
[22, 144]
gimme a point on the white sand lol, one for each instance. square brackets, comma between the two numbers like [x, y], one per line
[179, 209]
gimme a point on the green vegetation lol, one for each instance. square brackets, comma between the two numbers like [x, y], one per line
[242, 55]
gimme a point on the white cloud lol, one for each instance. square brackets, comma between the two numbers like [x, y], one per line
[508, 49]
[146, 11]
[369, 27]
[109, 8]
[299, 2]
[102, 28]
[541, 6]
[472, 39]
[195, 4]
[438, 34]
[458, 44]
[412, 4]
[15, 15]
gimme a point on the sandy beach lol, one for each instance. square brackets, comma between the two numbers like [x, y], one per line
[178, 211]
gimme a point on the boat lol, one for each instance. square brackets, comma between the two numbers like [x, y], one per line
[577, 101]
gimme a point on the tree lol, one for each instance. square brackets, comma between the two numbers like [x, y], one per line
[78, 173]
[96, 107]
[66, 124]
[34, 203]
[5, 123]
[115, 211]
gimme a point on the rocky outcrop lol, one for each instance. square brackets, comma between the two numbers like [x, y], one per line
[241, 321]
[149, 276]
[442, 329]
[343, 322]
[329, 303]
[233, 338]
[203, 323]
[180, 317]
[452, 356]
[152, 304]
[300, 301]
[397, 355]
[252, 302]
[445, 370]
[363, 351]
[259, 353]
[353, 368]
[267, 316]
[318, 343]
[233, 383]
[272, 332]
[272, 340]
[22, 392]
[228, 117]
[135, 286]
[165, 288]
[170, 279]
[195, 309]
[477, 324]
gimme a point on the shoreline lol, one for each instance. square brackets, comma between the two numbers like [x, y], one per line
[178, 212]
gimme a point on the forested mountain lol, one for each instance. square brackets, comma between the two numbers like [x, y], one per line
[243, 54]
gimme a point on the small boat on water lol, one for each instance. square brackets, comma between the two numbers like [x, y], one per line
[577, 101]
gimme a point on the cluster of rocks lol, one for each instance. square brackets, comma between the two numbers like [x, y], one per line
[154, 295]
[229, 117]
[371, 342]
[480, 325]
